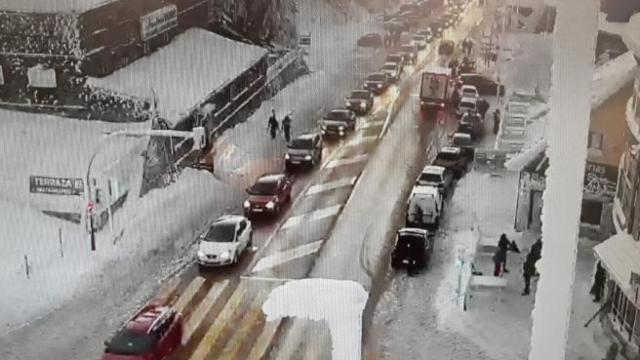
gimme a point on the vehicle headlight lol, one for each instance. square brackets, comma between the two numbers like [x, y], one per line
[247, 204]
[341, 128]
[363, 105]
[324, 127]
[270, 205]
[225, 255]
[287, 156]
[201, 254]
[308, 157]
[347, 104]
[379, 86]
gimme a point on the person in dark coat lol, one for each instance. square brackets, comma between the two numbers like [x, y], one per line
[273, 125]
[286, 127]
[504, 245]
[536, 249]
[499, 258]
[483, 107]
[454, 99]
[496, 121]
[598, 283]
[528, 270]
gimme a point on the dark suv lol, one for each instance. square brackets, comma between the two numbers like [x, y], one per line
[338, 122]
[359, 101]
[304, 150]
[451, 158]
[484, 85]
[413, 248]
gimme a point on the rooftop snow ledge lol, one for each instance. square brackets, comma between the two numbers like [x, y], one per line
[631, 34]
[610, 27]
[610, 77]
[52, 6]
[518, 162]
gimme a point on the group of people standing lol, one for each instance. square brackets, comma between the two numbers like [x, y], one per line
[529, 265]
[467, 46]
[273, 126]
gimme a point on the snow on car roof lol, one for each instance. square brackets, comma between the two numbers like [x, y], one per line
[433, 169]
[52, 6]
[270, 178]
[468, 99]
[468, 87]
[424, 190]
[412, 231]
[217, 61]
[228, 219]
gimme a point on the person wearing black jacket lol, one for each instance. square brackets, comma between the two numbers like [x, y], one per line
[528, 270]
[598, 283]
[504, 245]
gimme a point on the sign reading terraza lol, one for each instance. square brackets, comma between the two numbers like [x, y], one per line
[158, 21]
[55, 186]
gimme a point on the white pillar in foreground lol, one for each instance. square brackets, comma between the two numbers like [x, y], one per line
[573, 58]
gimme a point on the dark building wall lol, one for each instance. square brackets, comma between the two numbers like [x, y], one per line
[620, 10]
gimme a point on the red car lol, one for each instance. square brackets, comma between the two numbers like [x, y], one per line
[268, 195]
[153, 333]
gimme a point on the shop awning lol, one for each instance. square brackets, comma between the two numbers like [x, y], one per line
[619, 255]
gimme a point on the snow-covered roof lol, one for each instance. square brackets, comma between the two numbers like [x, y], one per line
[52, 6]
[183, 73]
[631, 34]
[518, 162]
[270, 178]
[424, 190]
[619, 255]
[450, 149]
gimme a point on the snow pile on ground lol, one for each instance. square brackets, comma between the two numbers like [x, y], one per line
[56, 6]
[611, 76]
[164, 218]
[183, 73]
[339, 303]
[518, 162]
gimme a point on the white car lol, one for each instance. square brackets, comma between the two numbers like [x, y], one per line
[469, 91]
[224, 241]
[420, 41]
[467, 104]
[436, 176]
[424, 207]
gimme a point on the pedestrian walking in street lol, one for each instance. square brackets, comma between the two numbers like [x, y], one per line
[598, 283]
[273, 125]
[483, 107]
[286, 127]
[499, 259]
[504, 245]
[528, 270]
[496, 121]
[469, 47]
[454, 99]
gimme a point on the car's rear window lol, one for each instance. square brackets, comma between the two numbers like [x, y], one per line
[360, 94]
[224, 232]
[301, 144]
[389, 67]
[337, 115]
[128, 342]
[376, 77]
[448, 156]
[461, 140]
[467, 104]
[264, 188]
[434, 178]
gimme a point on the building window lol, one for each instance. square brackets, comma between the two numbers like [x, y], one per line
[595, 140]
[626, 313]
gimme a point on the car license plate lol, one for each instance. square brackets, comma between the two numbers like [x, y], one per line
[405, 262]
[257, 210]
[295, 161]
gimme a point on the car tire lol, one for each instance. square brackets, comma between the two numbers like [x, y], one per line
[396, 264]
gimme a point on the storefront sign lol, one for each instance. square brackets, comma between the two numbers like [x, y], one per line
[39, 77]
[600, 180]
[158, 22]
[55, 186]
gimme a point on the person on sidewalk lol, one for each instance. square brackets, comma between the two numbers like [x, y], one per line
[272, 125]
[504, 245]
[528, 270]
[499, 259]
[286, 127]
[496, 121]
[598, 283]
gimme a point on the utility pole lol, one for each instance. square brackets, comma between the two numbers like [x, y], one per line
[573, 62]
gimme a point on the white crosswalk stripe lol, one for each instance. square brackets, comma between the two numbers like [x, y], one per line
[371, 124]
[312, 216]
[319, 188]
[283, 257]
[188, 294]
[203, 308]
[341, 162]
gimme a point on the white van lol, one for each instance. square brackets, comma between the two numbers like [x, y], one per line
[424, 207]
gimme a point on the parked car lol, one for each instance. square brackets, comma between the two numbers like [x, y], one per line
[397, 58]
[436, 176]
[420, 41]
[446, 48]
[359, 101]
[465, 143]
[449, 19]
[427, 33]
[437, 27]
[472, 124]
[451, 158]
[373, 40]
[396, 24]
[467, 104]
[469, 91]
[224, 241]
[338, 122]
[410, 53]
[484, 85]
[413, 247]
[268, 195]
[377, 83]
[467, 65]
[153, 333]
[304, 150]
[424, 207]
[393, 70]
